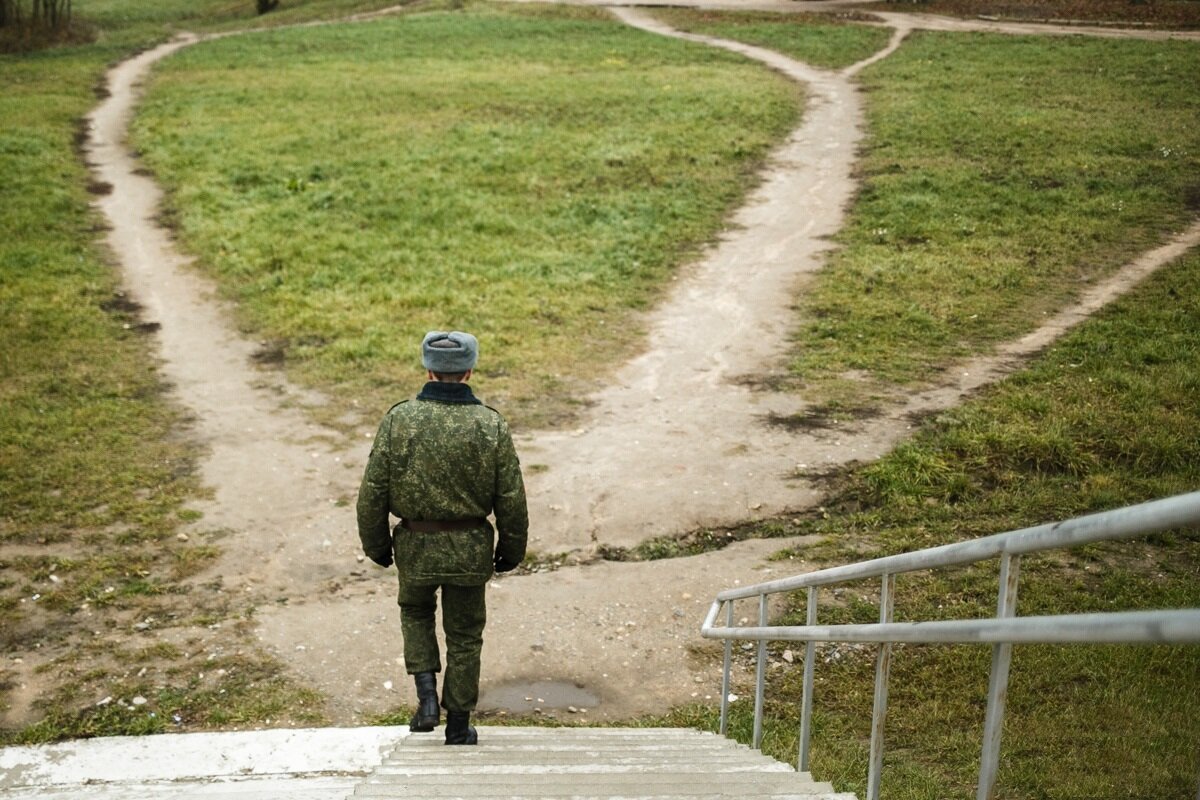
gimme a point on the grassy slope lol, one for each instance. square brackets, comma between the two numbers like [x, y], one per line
[91, 479]
[1109, 469]
[86, 560]
[531, 175]
[1107, 417]
[1001, 173]
[95, 465]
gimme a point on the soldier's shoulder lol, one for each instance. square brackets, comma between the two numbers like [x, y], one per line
[498, 420]
[494, 412]
[398, 409]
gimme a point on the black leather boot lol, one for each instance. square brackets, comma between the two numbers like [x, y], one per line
[458, 728]
[428, 713]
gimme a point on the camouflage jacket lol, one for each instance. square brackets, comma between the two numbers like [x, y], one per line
[443, 456]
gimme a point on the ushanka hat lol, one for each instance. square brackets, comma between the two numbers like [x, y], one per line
[451, 352]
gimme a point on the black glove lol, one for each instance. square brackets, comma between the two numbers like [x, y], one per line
[384, 561]
[502, 564]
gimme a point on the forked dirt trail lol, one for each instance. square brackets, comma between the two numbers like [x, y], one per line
[678, 441]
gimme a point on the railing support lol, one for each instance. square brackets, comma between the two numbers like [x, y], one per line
[806, 699]
[883, 665]
[993, 724]
[760, 678]
[725, 679]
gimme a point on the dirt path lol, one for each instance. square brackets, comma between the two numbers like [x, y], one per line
[676, 442]
[679, 440]
[273, 472]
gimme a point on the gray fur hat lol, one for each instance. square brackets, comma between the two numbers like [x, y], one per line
[451, 352]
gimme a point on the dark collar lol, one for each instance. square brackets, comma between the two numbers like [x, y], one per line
[442, 392]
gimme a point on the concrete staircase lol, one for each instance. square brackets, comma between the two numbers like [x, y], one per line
[579, 763]
[344, 763]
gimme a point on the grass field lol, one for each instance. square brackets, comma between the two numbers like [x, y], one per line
[1065, 173]
[91, 477]
[95, 461]
[1106, 418]
[531, 175]
[1001, 175]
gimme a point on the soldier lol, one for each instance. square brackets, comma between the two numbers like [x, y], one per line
[442, 463]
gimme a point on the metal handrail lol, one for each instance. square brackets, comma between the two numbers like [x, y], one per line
[1174, 626]
[1140, 520]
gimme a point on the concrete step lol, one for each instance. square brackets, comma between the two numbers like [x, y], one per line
[540, 757]
[582, 737]
[533, 777]
[575, 769]
[481, 755]
[600, 793]
[421, 741]
[749, 786]
[391, 762]
[619, 734]
[581, 763]
[642, 764]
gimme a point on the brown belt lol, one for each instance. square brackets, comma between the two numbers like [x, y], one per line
[442, 525]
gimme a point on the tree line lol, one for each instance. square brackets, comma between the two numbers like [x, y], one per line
[35, 14]
[34, 23]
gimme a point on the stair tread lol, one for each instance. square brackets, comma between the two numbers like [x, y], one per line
[585, 763]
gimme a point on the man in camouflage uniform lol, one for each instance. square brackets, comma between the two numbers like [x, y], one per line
[442, 463]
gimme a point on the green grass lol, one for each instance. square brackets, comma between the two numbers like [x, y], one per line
[1057, 173]
[227, 693]
[91, 461]
[95, 460]
[823, 40]
[1105, 418]
[1001, 175]
[531, 175]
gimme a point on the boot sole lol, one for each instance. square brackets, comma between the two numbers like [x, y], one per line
[423, 725]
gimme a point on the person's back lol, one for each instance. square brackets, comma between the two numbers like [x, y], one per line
[442, 463]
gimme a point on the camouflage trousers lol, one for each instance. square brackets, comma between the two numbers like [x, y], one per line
[464, 613]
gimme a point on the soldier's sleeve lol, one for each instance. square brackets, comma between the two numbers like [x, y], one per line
[512, 515]
[373, 498]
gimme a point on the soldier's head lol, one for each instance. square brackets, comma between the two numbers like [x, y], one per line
[449, 357]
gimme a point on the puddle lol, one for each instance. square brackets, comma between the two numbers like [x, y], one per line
[525, 696]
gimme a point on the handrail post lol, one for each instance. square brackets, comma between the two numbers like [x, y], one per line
[760, 679]
[883, 666]
[806, 699]
[725, 677]
[993, 724]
